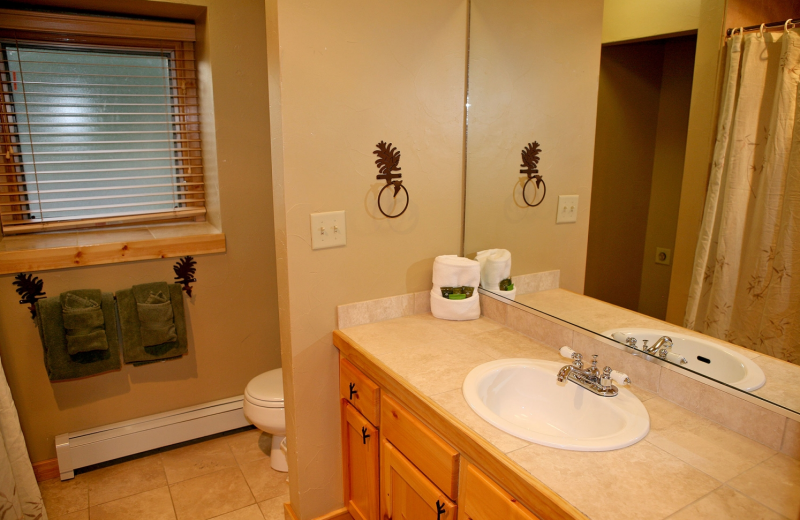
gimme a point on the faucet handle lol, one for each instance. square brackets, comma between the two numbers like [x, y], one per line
[620, 378]
[594, 360]
[605, 379]
[567, 352]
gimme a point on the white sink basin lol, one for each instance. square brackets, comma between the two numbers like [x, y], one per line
[523, 398]
[705, 357]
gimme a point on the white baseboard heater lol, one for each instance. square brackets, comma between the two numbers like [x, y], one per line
[85, 448]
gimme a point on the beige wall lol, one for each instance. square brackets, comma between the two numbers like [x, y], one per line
[353, 73]
[637, 19]
[627, 122]
[533, 77]
[233, 316]
[665, 193]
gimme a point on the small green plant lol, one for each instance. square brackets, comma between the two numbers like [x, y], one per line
[507, 285]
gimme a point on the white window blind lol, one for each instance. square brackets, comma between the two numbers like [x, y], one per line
[98, 134]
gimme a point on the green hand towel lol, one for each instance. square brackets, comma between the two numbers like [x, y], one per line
[83, 321]
[134, 336]
[156, 320]
[58, 361]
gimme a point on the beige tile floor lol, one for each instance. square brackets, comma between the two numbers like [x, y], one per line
[225, 478]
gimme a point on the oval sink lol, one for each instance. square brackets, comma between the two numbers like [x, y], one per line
[705, 357]
[523, 398]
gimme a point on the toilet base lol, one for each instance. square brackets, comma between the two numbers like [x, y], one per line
[277, 456]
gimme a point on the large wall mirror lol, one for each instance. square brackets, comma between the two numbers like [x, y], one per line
[644, 178]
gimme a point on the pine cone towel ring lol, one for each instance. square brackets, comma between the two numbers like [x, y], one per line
[387, 162]
[530, 161]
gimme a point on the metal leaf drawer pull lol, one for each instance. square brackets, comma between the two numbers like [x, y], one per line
[439, 510]
[364, 434]
[353, 390]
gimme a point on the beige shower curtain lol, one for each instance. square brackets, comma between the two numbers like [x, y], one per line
[746, 279]
[19, 494]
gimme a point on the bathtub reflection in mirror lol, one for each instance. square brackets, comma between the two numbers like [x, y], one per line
[670, 221]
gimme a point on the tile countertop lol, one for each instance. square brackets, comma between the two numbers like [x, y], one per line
[687, 467]
[783, 378]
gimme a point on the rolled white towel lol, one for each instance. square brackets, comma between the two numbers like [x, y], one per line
[495, 267]
[455, 310]
[566, 352]
[456, 271]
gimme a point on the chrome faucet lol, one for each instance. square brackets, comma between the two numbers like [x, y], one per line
[600, 383]
[662, 349]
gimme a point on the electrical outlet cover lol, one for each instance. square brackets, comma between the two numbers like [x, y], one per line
[663, 256]
[328, 230]
[567, 209]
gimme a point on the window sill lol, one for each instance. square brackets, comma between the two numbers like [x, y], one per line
[108, 246]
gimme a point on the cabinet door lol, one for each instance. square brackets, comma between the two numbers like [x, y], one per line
[360, 462]
[406, 494]
[481, 499]
[359, 390]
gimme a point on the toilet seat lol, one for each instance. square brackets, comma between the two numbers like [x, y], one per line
[266, 390]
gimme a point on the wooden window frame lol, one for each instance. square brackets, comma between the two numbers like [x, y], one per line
[102, 245]
[188, 119]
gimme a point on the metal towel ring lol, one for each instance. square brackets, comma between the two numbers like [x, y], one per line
[544, 193]
[387, 162]
[408, 199]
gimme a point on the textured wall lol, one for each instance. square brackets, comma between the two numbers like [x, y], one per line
[635, 19]
[352, 73]
[233, 317]
[627, 123]
[533, 77]
[670, 151]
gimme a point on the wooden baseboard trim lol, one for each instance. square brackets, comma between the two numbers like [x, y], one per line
[339, 514]
[46, 470]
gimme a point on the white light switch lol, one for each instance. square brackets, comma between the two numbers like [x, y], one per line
[567, 209]
[328, 230]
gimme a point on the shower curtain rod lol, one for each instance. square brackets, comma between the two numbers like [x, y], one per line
[771, 25]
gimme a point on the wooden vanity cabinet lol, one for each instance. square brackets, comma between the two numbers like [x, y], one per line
[407, 493]
[398, 468]
[360, 458]
[481, 499]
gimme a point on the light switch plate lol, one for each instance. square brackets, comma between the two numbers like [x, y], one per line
[663, 256]
[328, 230]
[567, 209]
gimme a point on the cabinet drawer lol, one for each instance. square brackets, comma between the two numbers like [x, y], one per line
[482, 499]
[407, 493]
[359, 390]
[426, 450]
[360, 446]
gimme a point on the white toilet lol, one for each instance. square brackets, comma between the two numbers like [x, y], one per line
[263, 406]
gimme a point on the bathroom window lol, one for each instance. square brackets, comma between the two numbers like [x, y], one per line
[97, 131]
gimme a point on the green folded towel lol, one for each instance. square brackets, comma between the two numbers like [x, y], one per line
[156, 320]
[59, 362]
[149, 313]
[84, 322]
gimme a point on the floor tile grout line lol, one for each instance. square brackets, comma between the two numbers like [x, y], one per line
[171, 501]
